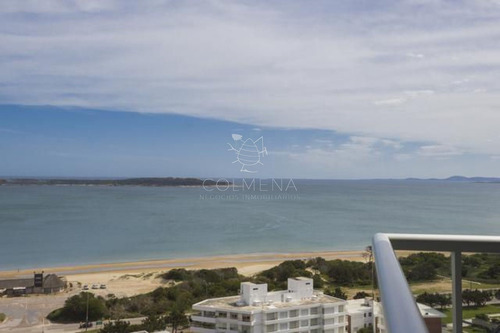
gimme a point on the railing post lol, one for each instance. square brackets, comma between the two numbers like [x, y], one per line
[456, 280]
[401, 314]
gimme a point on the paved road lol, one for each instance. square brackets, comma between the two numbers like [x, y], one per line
[52, 328]
[27, 314]
[29, 311]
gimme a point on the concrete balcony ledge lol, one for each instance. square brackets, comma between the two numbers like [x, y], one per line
[201, 330]
[202, 319]
[334, 314]
[333, 325]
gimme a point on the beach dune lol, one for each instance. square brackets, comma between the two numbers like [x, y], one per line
[132, 278]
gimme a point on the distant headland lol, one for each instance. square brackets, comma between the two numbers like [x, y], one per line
[156, 182]
[462, 179]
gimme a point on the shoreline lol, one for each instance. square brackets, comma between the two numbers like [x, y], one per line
[127, 279]
[207, 262]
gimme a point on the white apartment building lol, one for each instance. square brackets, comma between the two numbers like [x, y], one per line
[363, 312]
[359, 314]
[255, 310]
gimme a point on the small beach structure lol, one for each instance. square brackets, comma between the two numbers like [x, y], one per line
[38, 284]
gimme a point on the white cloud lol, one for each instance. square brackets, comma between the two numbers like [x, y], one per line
[387, 71]
[390, 101]
[392, 143]
[403, 157]
[415, 55]
[440, 151]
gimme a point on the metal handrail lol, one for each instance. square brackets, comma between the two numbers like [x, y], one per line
[401, 313]
[400, 310]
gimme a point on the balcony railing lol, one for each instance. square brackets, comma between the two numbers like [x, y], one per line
[400, 310]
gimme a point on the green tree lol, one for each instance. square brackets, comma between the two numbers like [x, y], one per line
[337, 292]
[444, 301]
[177, 319]
[427, 298]
[476, 297]
[368, 329]
[118, 326]
[361, 294]
[318, 281]
[154, 323]
[75, 309]
[422, 272]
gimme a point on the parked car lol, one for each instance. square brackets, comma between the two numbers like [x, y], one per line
[103, 286]
[85, 287]
[86, 325]
[95, 286]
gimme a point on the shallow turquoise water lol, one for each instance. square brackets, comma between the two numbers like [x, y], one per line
[47, 225]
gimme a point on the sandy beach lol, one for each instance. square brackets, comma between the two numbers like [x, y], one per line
[131, 278]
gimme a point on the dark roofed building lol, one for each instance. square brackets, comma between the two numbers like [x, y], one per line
[53, 284]
[15, 287]
[16, 283]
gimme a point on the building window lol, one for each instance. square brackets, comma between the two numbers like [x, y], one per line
[209, 314]
[271, 328]
[304, 312]
[272, 316]
[314, 311]
[283, 314]
[283, 326]
[329, 321]
[304, 323]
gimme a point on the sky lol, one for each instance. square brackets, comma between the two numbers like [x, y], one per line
[337, 89]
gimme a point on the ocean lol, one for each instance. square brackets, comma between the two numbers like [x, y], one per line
[43, 226]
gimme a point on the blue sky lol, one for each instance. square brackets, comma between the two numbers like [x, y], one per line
[338, 89]
[68, 142]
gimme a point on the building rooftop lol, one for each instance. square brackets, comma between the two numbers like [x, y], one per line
[428, 312]
[300, 278]
[16, 283]
[233, 302]
[359, 305]
[53, 281]
[49, 281]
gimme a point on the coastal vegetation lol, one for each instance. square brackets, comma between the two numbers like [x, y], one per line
[435, 299]
[473, 311]
[152, 323]
[74, 309]
[167, 181]
[2, 317]
[335, 277]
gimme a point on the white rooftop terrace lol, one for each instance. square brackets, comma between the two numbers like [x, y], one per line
[232, 303]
